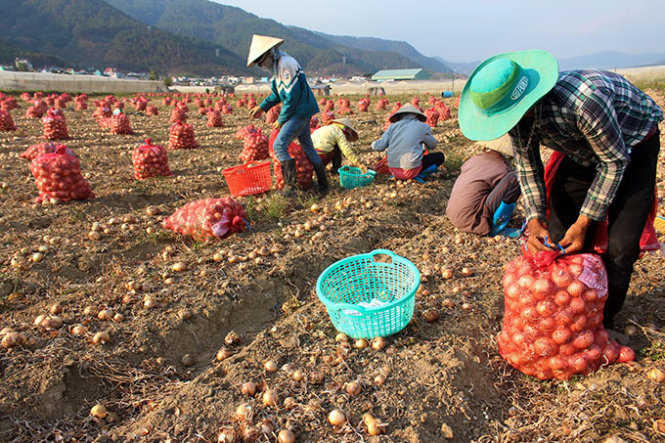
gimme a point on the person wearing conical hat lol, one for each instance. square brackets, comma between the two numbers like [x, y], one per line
[290, 88]
[606, 130]
[403, 142]
[485, 192]
[333, 140]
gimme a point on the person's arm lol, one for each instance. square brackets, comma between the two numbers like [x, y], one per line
[270, 100]
[428, 138]
[345, 147]
[598, 121]
[382, 143]
[530, 174]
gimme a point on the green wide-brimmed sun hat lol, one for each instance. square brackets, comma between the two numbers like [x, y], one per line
[502, 89]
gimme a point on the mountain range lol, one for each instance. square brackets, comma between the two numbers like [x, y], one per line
[201, 37]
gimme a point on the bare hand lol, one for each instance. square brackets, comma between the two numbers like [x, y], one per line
[255, 111]
[276, 125]
[575, 236]
[537, 234]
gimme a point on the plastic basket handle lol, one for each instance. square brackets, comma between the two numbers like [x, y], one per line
[255, 164]
[387, 252]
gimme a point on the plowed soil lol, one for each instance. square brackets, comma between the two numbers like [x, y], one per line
[159, 377]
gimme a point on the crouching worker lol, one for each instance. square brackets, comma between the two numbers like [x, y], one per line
[404, 140]
[334, 140]
[289, 86]
[484, 195]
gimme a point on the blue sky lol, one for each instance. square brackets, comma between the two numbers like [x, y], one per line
[472, 30]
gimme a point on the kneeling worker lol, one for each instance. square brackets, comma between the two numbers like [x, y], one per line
[333, 140]
[484, 194]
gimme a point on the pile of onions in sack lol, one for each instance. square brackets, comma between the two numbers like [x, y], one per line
[255, 147]
[119, 124]
[553, 324]
[55, 125]
[214, 118]
[6, 121]
[181, 136]
[58, 176]
[208, 218]
[432, 117]
[150, 161]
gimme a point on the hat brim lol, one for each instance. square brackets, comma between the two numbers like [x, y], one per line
[256, 59]
[354, 133]
[542, 70]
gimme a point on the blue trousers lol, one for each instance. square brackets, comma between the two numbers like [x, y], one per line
[295, 128]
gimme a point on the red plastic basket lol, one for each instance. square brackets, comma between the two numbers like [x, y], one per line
[249, 179]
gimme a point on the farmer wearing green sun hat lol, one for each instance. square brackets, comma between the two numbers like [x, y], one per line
[606, 129]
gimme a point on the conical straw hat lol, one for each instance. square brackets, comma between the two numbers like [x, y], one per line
[502, 145]
[408, 109]
[260, 45]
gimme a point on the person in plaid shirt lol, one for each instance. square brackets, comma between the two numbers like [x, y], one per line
[608, 130]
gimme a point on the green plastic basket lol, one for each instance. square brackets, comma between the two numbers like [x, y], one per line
[351, 177]
[389, 288]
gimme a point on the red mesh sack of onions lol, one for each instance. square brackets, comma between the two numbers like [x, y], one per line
[9, 104]
[327, 118]
[432, 117]
[35, 151]
[214, 118]
[182, 136]
[36, 110]
[382, 103]
[553, 322]
[208, 218]
[55, 125]
[363, 105]
[6, 121]
[444, 112]
[151, 110]
[81, 105]
[150, 161]
[303, 165]
[178, 114]
[58, 176]
[396, 107]
[255, 147]
[314, 123]
[244, 131]
[273, 114]
[119, 124]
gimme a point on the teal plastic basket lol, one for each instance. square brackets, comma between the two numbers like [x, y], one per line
[351, 177]
[386, 288]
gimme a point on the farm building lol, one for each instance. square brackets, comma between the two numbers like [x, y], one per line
[401, 74]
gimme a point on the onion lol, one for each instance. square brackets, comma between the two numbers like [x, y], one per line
[341, 337]
[430, 315]
[336, 417]
[467, 272]
[227, 435]
[118, 318]
[270, 366]
[12, 339]
[447, 273]
[105, 315]
[656, 375]
[298, 375]
[378, 343]
[244, 412]
[232, 338]
[150, 302]
[286, 436]
[99, 411]
[361, 343]
[101, 338]
[353, 388]
[179, 267]
[290, 403]
[630, 330]
[316, 378]
[270, 397]
[223, 354]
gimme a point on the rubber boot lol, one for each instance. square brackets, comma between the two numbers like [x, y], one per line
[290, 174]
[420, 178]
[502, 216]
[321, 178]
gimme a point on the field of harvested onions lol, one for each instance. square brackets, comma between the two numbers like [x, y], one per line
[151, 336]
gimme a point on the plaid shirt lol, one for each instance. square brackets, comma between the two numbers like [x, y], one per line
[593, 117]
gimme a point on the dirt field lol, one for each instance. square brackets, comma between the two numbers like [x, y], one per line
[159, 377]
